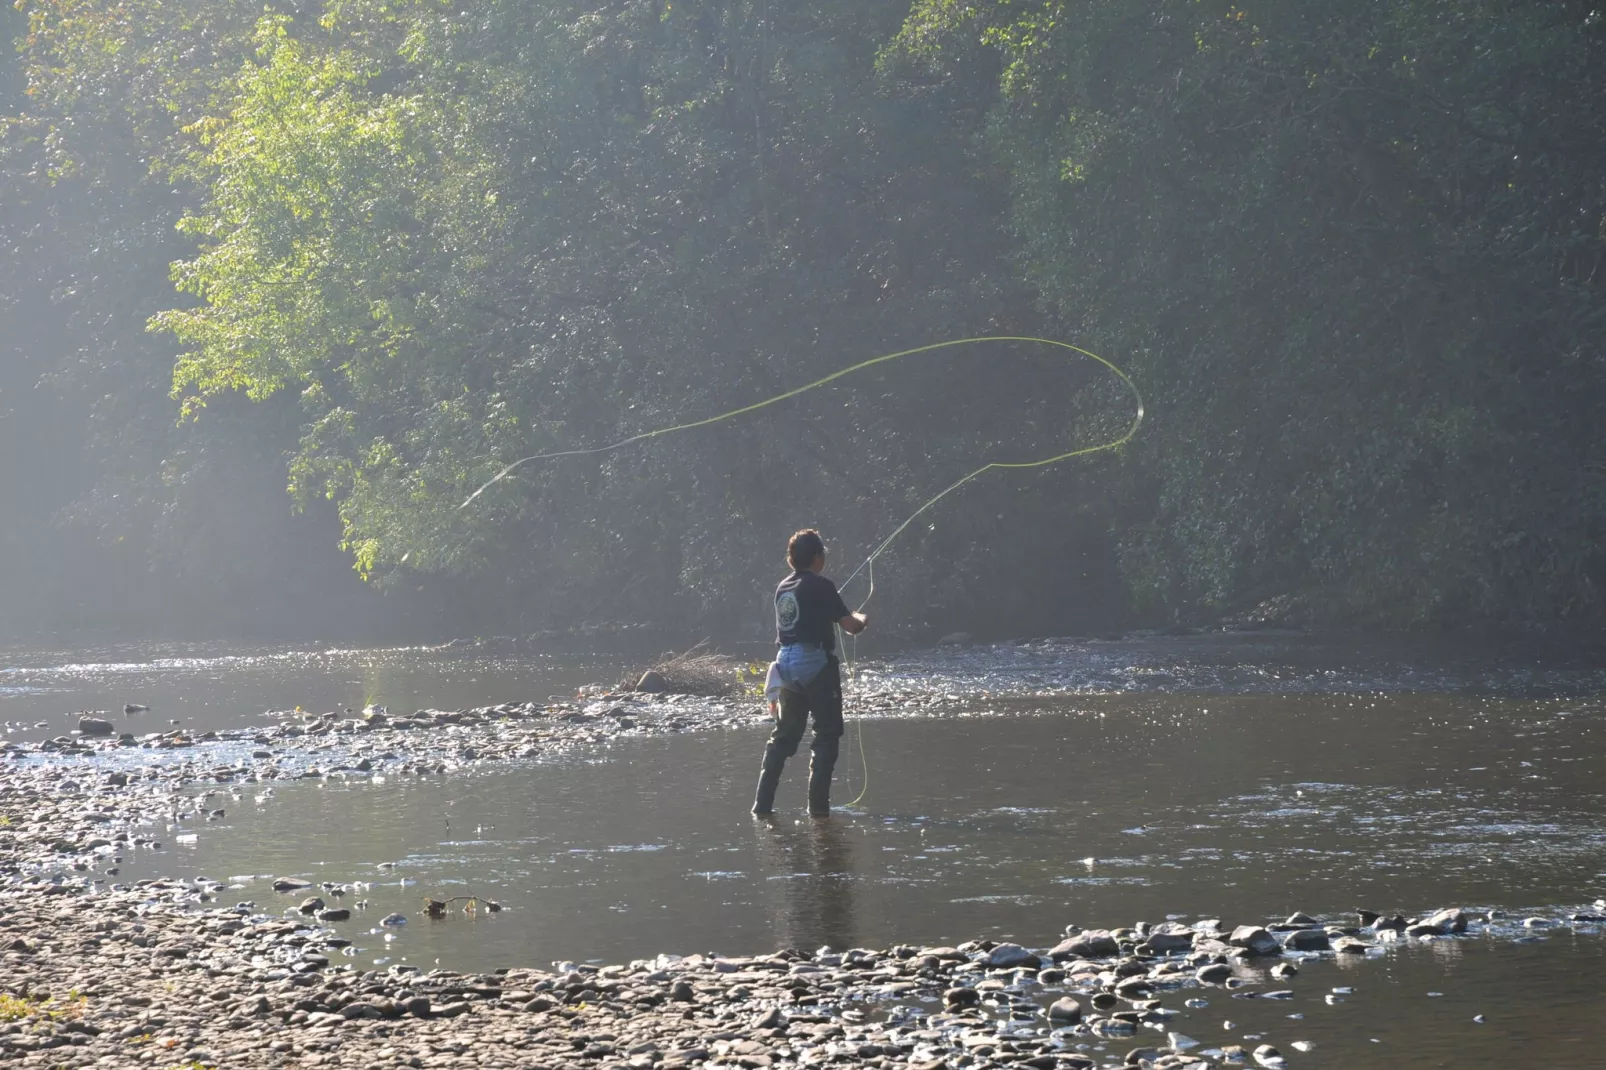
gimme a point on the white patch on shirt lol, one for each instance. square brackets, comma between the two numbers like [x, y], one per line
[786, 611]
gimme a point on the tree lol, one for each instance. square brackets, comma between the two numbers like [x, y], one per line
[1353, 250]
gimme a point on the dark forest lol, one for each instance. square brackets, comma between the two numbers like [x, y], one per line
[281, 285]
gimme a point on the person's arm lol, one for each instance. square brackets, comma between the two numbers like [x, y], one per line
[852, 623]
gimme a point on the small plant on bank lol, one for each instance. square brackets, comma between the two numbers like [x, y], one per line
[16, 1008]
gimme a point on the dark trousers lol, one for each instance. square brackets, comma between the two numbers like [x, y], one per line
[820, 698]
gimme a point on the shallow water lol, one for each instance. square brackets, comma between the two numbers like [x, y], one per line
[1105, 810]
[1182, 788]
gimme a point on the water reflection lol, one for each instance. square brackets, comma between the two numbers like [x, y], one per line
[813, 861]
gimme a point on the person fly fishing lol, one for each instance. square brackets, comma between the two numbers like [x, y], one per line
[805, 679]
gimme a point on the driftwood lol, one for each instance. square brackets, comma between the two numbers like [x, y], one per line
[436, 908]
[698, 671]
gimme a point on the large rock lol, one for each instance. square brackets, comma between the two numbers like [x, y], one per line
[290, 884]
[1092, 944]
[1270, 1057]
[1213, 974]
[1009, 956]
[1453, 920]
[1168, 943]
[95, 726]
[1255, 940]
[652, 682]
[1307, 940]
[1065, 1010]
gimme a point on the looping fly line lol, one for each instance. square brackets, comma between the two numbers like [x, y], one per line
[1084, 451]
[869, 562]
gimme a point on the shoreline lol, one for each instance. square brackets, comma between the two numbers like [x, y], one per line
[168, 974]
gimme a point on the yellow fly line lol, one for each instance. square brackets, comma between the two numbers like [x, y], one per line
[869, 561]
[843, 373]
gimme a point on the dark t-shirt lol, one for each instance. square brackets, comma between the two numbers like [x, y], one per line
[806, 606]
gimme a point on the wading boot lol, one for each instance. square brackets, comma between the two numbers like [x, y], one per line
[821, 763]
[769, 778]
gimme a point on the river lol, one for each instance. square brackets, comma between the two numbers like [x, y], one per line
[1012, 790]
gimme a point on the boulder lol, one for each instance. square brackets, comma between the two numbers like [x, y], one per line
[1168, 943]
[1307, 940]
[1255, 940]
[652, 682]
[95, 726]
[1453, 920]
[290, 884]
[1065, 1010]
[1268, 1056]
[1009, 956]
[1094, 943]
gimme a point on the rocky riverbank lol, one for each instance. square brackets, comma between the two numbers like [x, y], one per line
[172, 973]
[296, 743]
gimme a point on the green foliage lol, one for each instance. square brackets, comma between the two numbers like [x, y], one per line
[15, 1008]
[1351, 252]
[552, 225]
[1354, 253]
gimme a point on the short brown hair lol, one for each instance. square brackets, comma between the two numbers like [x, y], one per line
[803, 547]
